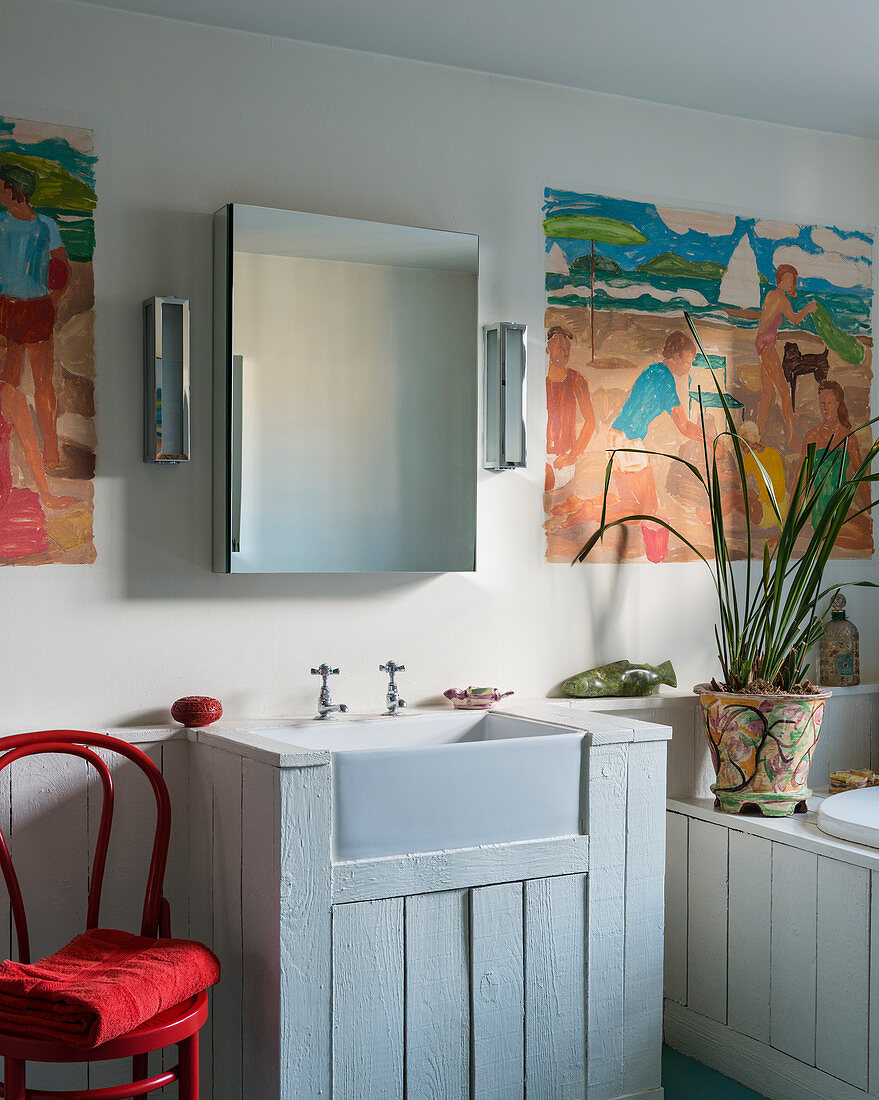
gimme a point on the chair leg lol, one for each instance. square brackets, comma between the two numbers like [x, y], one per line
[13, 1079]
[188, 1083]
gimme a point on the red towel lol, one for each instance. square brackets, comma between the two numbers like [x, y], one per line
[102, 984]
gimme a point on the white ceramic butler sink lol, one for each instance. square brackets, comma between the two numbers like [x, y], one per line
[425, 782]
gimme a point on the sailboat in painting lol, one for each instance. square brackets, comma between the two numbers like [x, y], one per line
[556, 262]
[740, 285]
[633, 267]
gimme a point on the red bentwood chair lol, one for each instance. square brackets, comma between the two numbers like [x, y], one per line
[179, 1024]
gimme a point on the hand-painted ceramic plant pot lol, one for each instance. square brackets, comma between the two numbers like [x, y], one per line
[197, 711]
[761, 747]
[474, 698]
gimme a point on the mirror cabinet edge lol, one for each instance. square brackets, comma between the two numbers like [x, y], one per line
[223, 398]
[222, 350]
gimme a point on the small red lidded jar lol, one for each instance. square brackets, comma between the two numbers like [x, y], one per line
[197, 711]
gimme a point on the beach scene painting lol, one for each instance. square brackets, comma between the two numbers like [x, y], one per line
[47, 355]
[784, 313]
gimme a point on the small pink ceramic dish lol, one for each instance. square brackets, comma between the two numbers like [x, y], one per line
[197, 711]
[474, 698]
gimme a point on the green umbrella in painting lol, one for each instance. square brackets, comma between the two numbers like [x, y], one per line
[590, 227]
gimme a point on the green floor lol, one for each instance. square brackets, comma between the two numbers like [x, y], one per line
[684, 1079]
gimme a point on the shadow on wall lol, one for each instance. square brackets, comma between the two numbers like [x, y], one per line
[605, 602]
[158, 717]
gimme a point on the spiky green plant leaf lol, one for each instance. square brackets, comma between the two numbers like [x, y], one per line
[767, 624]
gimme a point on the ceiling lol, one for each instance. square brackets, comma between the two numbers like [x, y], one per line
[810, 63]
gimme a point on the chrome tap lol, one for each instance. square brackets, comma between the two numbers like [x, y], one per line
[393, 696]
[325, 705]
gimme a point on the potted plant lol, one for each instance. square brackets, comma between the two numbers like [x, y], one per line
[763, 719]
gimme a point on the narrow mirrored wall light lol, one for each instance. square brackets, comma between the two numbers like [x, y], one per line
[166, 380]
[504, 395]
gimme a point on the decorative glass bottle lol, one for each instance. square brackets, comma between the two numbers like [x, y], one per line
[839, 652]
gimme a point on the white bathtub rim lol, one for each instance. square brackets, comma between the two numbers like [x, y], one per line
[851, 815]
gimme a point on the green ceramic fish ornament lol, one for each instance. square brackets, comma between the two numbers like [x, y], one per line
[620, 678]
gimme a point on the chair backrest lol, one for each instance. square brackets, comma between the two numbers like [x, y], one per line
[701, 373]
[80, 743]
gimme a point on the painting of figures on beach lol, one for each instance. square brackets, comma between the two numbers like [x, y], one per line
[47, 358]
[784, 313]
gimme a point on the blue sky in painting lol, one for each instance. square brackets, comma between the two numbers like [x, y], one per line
[698, 246]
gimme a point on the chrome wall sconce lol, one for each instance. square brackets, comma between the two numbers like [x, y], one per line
[504, 396]
[166, 380]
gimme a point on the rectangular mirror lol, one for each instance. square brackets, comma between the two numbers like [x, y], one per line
[345, 408]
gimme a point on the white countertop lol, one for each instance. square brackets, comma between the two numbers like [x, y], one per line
[798, 830]
[237, 734]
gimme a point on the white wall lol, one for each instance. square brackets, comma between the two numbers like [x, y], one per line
[188, 118]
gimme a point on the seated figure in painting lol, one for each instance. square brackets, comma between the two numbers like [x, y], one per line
[831, 459]
[654, 393]
[689, 495]
[567, 403]
[777, 307]
[773, 465]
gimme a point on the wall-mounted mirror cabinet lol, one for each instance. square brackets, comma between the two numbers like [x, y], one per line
[345, 383]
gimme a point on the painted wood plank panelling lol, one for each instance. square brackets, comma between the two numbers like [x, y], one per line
[437, 938]
[175, 771]
[226, 865]
[794, 940]
[604, 786]
[707, 920]
[677, 712]
[645, 878]
[555, 988]
[845, 737]
[874, 731]
[750, 921]
[681, 760]
[131, 838]
[795, 831]
[49, 846]
[703, 766]
[421, 872]
[7, 944]
[201, 881]
[305, 797]
[128, 861]
[497, 991]
[843, 969]
[767, 1071]
[368, 1000]
[873, 1052]
[675, 961]
[260, 918]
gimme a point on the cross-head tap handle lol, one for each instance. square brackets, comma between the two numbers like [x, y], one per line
[391, 667]
[324, 670]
